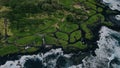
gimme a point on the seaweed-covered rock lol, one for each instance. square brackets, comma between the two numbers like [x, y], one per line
[65, 23]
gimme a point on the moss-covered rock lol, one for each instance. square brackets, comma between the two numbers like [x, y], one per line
[99, 9]
[65, 23]
[10, 49]
[62, 36]
[75, 36]
[92, 21]
[11, 39]
[63, 43]
[50, 40]
[28, 40]
[67, 27]
[79, 45]
[31, 49]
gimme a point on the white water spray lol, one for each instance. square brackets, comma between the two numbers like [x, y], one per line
[109, 49]
[114, 5]
[45, 59]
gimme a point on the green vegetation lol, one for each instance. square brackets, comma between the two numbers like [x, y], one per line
[75, 36]
[62, 36]
[79, 45]
[32, 49]
[28, 40]
[52, 22]
[10, 49]
[50, 40]
[92, 21]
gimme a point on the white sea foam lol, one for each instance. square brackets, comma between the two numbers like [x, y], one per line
[113, 4]
[108, 50]
[42, 57]
[109, 47]
[117, 17]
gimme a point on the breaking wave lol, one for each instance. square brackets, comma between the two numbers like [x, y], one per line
[117, 17]
[107, 53]
[47, 60]
[107, 56]
[113, 5]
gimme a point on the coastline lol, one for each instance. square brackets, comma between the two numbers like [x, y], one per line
[44, 49]
[91, 44]
[17, 56]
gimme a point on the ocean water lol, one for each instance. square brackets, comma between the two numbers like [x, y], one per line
[113, 5]
[51, 59]
[107, 53]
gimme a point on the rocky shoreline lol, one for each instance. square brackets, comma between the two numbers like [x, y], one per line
[89, 33]
[17, 56]
[45, 48]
